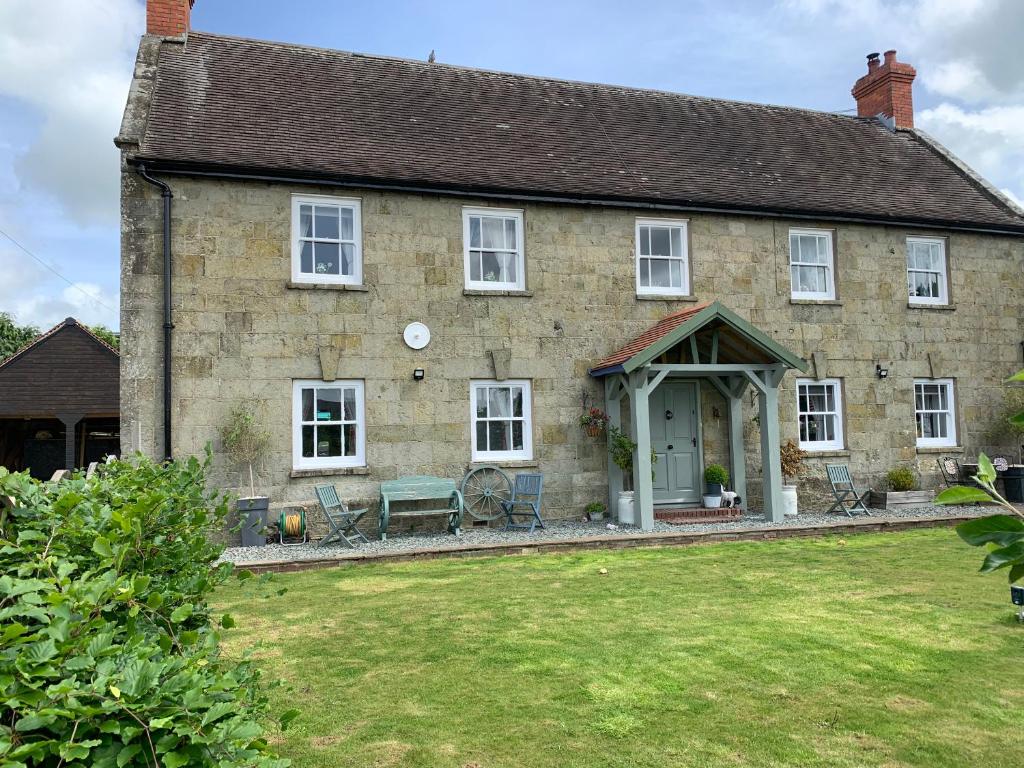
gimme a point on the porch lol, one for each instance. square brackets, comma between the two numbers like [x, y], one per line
[659, 375]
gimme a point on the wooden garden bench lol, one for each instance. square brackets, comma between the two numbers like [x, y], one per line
[420, 488]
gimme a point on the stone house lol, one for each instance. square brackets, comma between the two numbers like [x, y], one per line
[418, 268]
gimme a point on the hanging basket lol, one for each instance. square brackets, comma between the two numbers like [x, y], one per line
[593, 430]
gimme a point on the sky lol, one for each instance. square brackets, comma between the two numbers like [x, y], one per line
[65, 68]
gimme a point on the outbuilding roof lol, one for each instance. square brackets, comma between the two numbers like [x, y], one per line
[262, 108]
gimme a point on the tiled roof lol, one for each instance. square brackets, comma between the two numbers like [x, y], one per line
[286, 110]
[657, 331]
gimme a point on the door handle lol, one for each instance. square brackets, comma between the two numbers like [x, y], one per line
[695, 442]
[671, 447]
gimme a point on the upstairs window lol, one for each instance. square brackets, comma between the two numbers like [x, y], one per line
[933, 408]
[502, 424]
[662, 259]
[820, 414]
[812, 264]
[926, 270]
[326, 240]
[493, 245]
[328, 426]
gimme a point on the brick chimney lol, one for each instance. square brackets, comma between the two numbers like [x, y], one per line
[168, 18]
[886, 90]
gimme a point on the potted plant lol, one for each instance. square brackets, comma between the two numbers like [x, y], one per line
[246, 443]
[594, 421]
[595, 511]
[622, 448]
[792, 461]
[900, 483]
[715, 479]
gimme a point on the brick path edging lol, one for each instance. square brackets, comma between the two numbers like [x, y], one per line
[667, 539]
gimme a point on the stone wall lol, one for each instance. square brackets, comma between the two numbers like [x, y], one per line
[241, 332]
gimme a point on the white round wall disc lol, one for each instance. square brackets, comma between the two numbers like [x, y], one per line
[416, 335]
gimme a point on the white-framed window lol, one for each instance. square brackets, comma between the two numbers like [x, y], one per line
[327, 241]
[935, 412]
[501, 419]
[328, 425]
[819, 406]
[926, 270]
[493, 245]
[812, 264]
[662, 259]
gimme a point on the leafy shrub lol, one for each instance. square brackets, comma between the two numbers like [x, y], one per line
[621, 447]
[792, 459]
[245, 441]
[108, 655]
[595, 509]
[901, 479]
[716, 473]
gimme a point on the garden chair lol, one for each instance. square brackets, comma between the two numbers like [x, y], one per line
[848, 498]
[525, 502]
[342, 521]
[952, 473]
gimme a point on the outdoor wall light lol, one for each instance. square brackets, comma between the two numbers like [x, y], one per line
[418, 374]
[880, 372]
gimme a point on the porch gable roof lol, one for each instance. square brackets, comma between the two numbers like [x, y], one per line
[674, 328]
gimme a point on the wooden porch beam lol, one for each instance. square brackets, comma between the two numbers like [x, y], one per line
[714, 347]
[710, 368]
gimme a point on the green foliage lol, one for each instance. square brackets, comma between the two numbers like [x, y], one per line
[595, 508]
[622, 448]
[792, 459]
[245, 441]
[1001, 535]
[716, 473]
[13, 336]
[901, 479]
[106, 334]
[108, 653]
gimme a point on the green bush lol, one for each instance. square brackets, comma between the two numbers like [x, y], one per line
[716, 473]
[108, 654]
[901, 479]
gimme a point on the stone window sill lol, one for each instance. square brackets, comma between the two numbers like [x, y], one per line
[327, 287]
[520, 464]
[666, 297]
[297, 474]
[939, 307]
[477, 292]
[940, 449]
[845, 453]
[817, 302]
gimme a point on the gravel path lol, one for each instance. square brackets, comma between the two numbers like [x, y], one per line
[563, 530]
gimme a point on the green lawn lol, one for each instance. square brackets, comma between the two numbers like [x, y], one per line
[877, 650]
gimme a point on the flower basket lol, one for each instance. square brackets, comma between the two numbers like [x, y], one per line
[594, 421]
[593, 430]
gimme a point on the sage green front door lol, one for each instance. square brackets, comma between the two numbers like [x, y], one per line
[675, 438]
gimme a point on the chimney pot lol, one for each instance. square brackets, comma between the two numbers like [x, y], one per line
[168, 18]
[886, 89]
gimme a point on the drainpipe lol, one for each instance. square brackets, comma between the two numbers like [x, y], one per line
[165, 193]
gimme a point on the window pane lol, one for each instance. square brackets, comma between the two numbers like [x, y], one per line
[645, 273]
[830, 427]
[326, 258]
[326, 225]
[474, 231]
[347, 223]
[677, 241]
[794, 248]
[517, 435]
[660, 275]
[510, 234]
[328, 404]
[645, 241]
[305, 221]
[498, 435]
[517, 401]
[660, 244]
[481, 402]
[474, 265]
[350, 405]
[306, 257]
[491, 266]
[350, 439]
[307, 441]
[481, 436]
[307, 405]
[676, 273]
[493, 237]
[499, 402]
[328, 438]
[348, 259]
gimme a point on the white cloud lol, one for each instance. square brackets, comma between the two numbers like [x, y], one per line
[70, 62]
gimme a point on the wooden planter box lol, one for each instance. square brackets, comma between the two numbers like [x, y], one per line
[900, 499]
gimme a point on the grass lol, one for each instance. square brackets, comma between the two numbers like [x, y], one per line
[880, 650]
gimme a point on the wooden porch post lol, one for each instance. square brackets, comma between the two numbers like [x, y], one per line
[768, 413]
[737, 449]
[70, 420]
[613, 407]
[643, 481]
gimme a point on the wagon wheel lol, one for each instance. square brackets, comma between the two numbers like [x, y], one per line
[483, 488]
